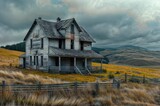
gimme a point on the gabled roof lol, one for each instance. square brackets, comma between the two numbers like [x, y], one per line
[51, 29]
[73, 53]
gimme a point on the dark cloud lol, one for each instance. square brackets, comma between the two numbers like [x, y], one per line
[111, 24]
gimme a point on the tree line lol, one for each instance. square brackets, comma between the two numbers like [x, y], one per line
[19, 47]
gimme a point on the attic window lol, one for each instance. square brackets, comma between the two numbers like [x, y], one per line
[72, 44]
[41, 43]
[72, 28]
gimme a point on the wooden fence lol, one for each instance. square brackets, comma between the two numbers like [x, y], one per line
[56, 87]
[138, 79]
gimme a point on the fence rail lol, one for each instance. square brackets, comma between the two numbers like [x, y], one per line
[138, 79]
[56, 87]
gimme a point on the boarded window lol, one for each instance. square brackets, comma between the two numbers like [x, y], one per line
[34, 60]
[41, 43]
[72, 28]
[37, 61]
[31, 43]
[72, 44]
[41, 60]
[30, 60]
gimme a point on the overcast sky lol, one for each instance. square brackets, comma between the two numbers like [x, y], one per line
[110, 22]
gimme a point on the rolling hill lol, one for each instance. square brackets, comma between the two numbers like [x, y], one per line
[132, 55]
[8, 57]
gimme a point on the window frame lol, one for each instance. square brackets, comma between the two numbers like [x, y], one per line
[30, 60]
[42, 61]
[72, 44]
[31, 43]
[42, 43]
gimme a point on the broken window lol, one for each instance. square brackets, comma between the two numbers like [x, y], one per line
[61, 43]
[82, 45]
[41, 60]
[41, 43]
[72, 44]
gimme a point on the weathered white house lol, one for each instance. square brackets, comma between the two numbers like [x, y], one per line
[61, 46]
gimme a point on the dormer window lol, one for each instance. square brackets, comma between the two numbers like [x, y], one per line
[72, 28]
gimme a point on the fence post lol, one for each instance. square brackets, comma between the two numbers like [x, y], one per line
[3, 88]
[75, 87]
[39, 86]
[125, 77]
[144, 78]
[97, 88]
[118, 84]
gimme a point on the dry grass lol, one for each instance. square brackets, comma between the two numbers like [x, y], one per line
[136, 71]
[127, 95]
[15, 77]
[8, 57]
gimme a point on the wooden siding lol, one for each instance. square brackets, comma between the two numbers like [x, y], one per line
[36, 51]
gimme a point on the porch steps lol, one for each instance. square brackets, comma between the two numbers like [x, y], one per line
[78, 70]
[85, 72]
[82, 71]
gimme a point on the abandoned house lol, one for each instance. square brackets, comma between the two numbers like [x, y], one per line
[62, 46]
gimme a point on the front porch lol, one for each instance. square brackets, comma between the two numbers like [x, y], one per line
[81, 65]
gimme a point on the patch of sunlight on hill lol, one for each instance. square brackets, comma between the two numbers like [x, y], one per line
[8, 57]
[111, 69]
[136, 71]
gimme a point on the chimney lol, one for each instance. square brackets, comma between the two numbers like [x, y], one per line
[58, 19]
[39, 18]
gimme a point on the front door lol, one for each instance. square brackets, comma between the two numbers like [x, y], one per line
[72, 62]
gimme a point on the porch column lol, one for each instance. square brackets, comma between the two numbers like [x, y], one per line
[75, 64]
[59, 63]
[75, 61]
[101, 64]
[85, 62]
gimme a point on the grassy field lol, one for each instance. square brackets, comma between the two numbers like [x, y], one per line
[118, 70]
[8, 57]
[130, 94]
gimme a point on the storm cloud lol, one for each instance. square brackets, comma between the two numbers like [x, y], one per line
[110, 22]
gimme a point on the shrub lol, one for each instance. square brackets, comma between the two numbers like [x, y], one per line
[134, 79]
[110, 76]
[117, 72]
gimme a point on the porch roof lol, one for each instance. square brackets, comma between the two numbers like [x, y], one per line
[73, 53]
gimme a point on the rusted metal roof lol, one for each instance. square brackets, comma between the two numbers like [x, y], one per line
[53, 51]
[52, 29]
